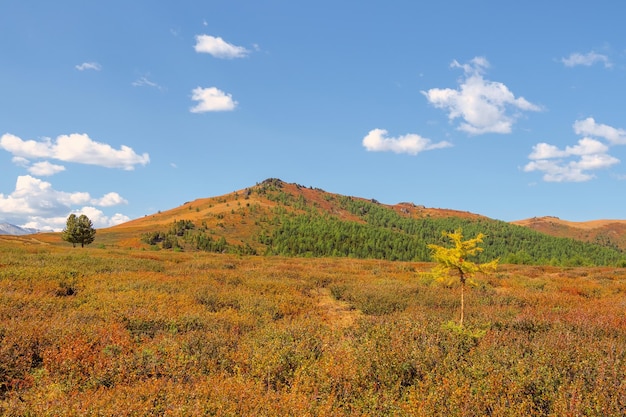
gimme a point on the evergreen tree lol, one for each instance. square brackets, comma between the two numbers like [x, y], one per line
[69, 234]
[86, 232]
[79, 230]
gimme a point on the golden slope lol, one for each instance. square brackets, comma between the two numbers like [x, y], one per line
[606, 232]
[237, 216]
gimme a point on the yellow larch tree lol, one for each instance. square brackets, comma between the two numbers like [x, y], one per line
[455, 261]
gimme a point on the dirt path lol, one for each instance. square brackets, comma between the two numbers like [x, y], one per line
[337, 313]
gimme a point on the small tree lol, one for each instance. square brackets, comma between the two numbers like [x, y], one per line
[79, 230]
[70, 232]
[455, 260]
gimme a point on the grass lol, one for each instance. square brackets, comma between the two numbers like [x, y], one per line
[102, 331]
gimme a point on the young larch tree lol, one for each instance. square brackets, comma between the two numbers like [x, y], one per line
[456, 261]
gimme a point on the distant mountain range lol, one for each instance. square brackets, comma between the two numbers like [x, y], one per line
[11, 229]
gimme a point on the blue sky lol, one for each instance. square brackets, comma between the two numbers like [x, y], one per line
[120, 109]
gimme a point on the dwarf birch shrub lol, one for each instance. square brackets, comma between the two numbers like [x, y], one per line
[180, 334]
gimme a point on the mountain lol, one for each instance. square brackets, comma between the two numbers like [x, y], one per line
[11, 229]
[278, 218]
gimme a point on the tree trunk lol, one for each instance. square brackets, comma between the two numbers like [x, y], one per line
[462, 303]
[462, 298]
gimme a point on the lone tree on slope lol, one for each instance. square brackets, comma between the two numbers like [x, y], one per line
[455, 260]
[79, 230]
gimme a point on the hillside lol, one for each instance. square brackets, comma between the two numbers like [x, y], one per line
[278, 218]
[243, 214]
[611, 233]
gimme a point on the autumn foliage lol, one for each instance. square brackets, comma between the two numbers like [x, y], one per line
[143, 333]
[457, 260]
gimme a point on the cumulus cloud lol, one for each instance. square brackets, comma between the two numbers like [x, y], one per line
[585, 146]
[33, 196]
[412, 144]
[575, 163]
[483, 106]
[108, 200]
[45, 169]
[587, 60]
[56, 224]
[98, 218]
[88, 66]
[557, 171]
[211, 99]
[78, 148]
[45, 208]
[591, 128]
[218, 47]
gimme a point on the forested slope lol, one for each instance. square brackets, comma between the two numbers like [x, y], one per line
[276, 218]
[385, 234]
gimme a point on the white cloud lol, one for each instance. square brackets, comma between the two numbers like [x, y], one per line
[39, 205]
[588, 59]
[99, 219]
[108, 200]
[28, 148]
[45, 169]
[412, 144]
[118, 218]
[33, 196]
[573, 163]
[57, 224]
[546, 151]
[40, 169]
[595, 161]
[591, 128]
[482, 105]
[47, 224]
[145, 82]
[78, 148]
[21, 162]
[88, 66]
[218, 47]
[557, 171]
[211, 99]
[585, 146]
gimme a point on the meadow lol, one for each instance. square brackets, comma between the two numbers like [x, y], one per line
[129, 332]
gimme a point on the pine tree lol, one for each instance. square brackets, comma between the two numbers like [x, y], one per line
[78, 230]
[69, 234]
[86, 232]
